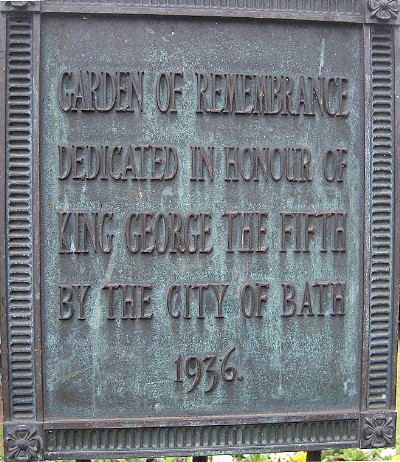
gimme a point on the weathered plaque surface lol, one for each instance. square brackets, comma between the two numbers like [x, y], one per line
[198, 230]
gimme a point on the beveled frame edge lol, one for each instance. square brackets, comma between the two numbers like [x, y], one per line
[368, 427]
[36, 210]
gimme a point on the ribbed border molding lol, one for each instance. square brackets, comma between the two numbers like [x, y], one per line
[101, 442]
[327, 10]
[19, 240]
[319, 6]
[382, 218]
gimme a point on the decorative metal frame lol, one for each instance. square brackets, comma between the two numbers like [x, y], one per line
[27, 435]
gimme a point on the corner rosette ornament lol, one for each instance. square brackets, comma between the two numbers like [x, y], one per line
[23, 444]
[384, 9]
[379, 431]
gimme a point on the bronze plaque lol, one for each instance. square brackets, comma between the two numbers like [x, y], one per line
[198, 232]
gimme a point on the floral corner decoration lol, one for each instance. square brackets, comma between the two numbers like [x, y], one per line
[23, 444]
[384, 9]
[379, 431]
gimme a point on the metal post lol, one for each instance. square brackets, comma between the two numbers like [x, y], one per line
[314, 456]
[199, 459]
